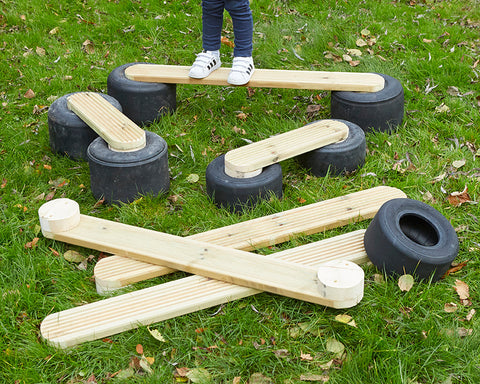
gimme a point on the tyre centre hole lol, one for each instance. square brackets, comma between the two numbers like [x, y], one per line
[418, 230]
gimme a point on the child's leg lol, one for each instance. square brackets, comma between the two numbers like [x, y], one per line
[212, 22]
[242, 19]
[209, 59]
[242, 67]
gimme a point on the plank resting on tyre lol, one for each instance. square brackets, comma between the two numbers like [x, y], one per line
[267, 78]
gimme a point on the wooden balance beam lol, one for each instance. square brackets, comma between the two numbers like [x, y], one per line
[121, 133]
[117, 271]
[165, 301]
[268, 78]
[60, 219]
[248, 160]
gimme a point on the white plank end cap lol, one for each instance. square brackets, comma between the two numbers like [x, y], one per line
[341, 280]
[59, 215]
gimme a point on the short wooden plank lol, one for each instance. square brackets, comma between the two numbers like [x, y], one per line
[121, 133]
[209, 260]
[117, 271]
[241, 161]
[165, 301]
[266, 78]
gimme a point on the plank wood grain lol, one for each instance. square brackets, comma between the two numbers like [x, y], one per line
[117, 271]
[121, 133]
[267, 78]
[165, 301]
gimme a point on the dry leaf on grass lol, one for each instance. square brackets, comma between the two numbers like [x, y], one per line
[450, 307]
[458, 198]
[405, 282]
[73, 256]
[462, 289]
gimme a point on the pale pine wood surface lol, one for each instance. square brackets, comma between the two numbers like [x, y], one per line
[115, 272]
[267, 78]
[114, 315]
[121, 133]
[240, 162]
[209, 260]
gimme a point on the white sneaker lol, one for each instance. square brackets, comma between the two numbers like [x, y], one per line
[205, 63]
[242, 71]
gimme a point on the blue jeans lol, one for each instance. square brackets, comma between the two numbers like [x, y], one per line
[212, 20]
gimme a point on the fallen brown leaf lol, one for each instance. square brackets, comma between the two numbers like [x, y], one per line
[32, 244]
[456, 268]
[227, 42]
[462, 289]
[458, 198]
[29, 94]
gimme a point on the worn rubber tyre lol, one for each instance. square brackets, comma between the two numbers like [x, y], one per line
[68, 134]
[409, 236]
[142, 102]
[342, 157]
[373, 111]
[237, 194]
[125, 176]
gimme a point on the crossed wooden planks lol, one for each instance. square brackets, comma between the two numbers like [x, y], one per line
[107, 317]
[115, 272]
[268, 78]
[206, 259]
[143, 307]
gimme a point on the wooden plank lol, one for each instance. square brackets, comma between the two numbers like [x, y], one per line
[248, 160]
[209, 260]
[165, 301]
[121, 133]
[267, 78]
[117, 271]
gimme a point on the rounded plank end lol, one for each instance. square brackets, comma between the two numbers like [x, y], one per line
[58, 215]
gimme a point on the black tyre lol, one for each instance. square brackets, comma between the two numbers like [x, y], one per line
[408, 236]
[68, 134]
[334, 159]
[142, 102]
[378, 111]
[238, 194]
[125, 176]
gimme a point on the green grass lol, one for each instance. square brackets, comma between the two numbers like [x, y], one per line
[401, 337]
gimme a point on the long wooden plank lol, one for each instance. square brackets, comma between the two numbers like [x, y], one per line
[248, 160]
[121, 133]
[118, 314]
[115, 272]
[267, 78]
[209, 260]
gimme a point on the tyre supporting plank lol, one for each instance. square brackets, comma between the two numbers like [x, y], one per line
[248, 160]
[268, 78]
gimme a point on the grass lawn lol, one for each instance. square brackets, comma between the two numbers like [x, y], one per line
[428, 334]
